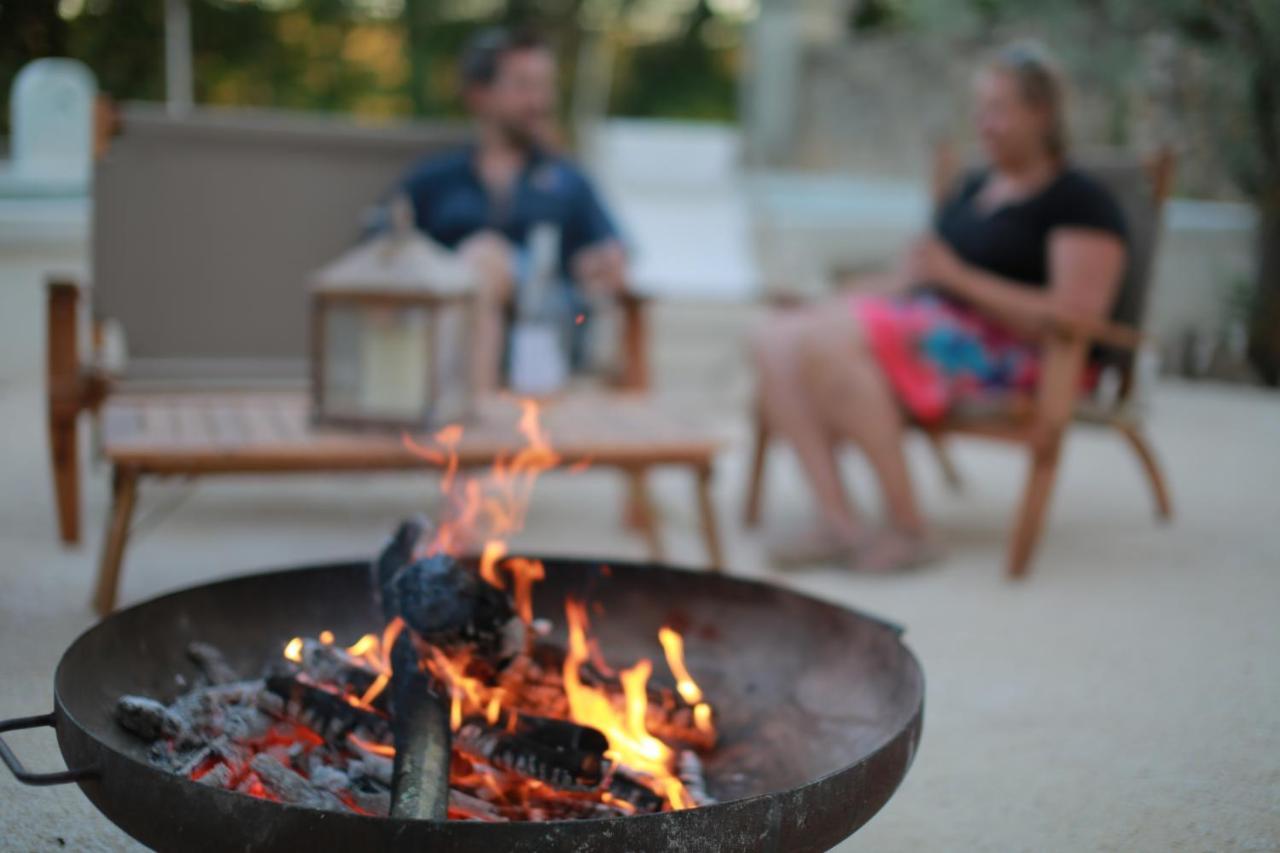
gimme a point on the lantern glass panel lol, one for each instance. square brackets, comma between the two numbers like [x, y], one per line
[400, 361]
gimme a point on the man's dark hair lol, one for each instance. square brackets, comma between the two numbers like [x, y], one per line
[484, 52]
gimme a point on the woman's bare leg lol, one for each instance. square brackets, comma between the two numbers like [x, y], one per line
[789, 411]
[854, 399]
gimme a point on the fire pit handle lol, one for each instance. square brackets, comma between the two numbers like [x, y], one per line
[21, 773]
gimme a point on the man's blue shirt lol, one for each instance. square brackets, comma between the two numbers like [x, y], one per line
[451, 203]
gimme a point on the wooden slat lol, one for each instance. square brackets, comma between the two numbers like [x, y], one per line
[262, 432]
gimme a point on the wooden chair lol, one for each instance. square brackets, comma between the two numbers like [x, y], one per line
[1039, 423]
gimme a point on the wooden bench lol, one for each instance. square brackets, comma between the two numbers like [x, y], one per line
[159, 434]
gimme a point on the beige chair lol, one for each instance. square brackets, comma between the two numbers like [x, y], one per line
[1038, 424]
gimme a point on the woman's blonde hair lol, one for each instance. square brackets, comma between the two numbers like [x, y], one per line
[1041, 84]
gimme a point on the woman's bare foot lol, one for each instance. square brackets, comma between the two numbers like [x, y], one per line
[818, 544]
[889, 551]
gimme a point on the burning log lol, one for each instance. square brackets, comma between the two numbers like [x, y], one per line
[212, 663]
[326, 712]
[640, 797]
[560, 753]
[292, 788]
[420, 777]
[324, 663]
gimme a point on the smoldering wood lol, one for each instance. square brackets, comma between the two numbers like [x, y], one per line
[292, 788]
[220, 776]
[326, 713]
[327, 776]
[372, 798]
[622, 786]
[325, 663]
[677, 727]
[420, 725]
[559, 753]
[689, 769]
[448, 605]
[379, 768]
[394, 556]
[148, 718]
[212, 662]
[474, 807]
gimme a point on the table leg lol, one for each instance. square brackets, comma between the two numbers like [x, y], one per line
[707, 515]
[124, 493]
[644, 516]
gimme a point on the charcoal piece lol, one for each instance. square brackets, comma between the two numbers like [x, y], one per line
[689, 769]
[219, 777]
[202, 708]
[560, 734]
[623, 787]
[564, 767]
[329, 664]
[147, 718]
[377, 768]
[190, 761]
[292, 788]
[212, 662]
[474, 807]
[328, 714]
[371, 797]
[395, 555]
[420, 724]
[245, 722]
[329, 778]
[447, 605]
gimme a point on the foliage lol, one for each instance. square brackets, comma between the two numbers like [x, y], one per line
[372, 58]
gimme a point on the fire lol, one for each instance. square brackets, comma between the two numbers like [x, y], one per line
[486, 510]
[673, 647]
[630, 743]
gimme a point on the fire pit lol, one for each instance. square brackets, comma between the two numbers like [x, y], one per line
[818, 711]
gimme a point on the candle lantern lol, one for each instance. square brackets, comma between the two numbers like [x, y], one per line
[390, 323]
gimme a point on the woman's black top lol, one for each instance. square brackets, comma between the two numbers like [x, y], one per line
[1012, 240]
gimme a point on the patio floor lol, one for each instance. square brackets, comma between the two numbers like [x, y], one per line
[1125, 697]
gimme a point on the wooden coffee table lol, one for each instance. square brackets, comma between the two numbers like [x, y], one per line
[158, 434]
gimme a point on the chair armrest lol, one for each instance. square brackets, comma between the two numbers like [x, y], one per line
[73, 385]
[634, 374]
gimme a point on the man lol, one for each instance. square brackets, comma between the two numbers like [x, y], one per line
[484, 199]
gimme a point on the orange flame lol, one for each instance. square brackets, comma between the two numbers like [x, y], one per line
[524, 574]
[673, 647]
[492, 507]
[494, 550]
[630, 743]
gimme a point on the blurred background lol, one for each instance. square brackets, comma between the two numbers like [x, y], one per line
[1123, 697]
[801, 131]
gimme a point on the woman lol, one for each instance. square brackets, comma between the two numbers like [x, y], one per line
[1025, 236]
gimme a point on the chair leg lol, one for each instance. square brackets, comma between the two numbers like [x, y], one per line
[755, 486]
[1031, 514]
[707, 516]
[640, 504]
[1151, 466]
[124, 493]
[950, 473]
[64, 449]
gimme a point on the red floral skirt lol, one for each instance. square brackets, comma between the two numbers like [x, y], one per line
[936, 353]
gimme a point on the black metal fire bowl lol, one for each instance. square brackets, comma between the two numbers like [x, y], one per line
[819, 710]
